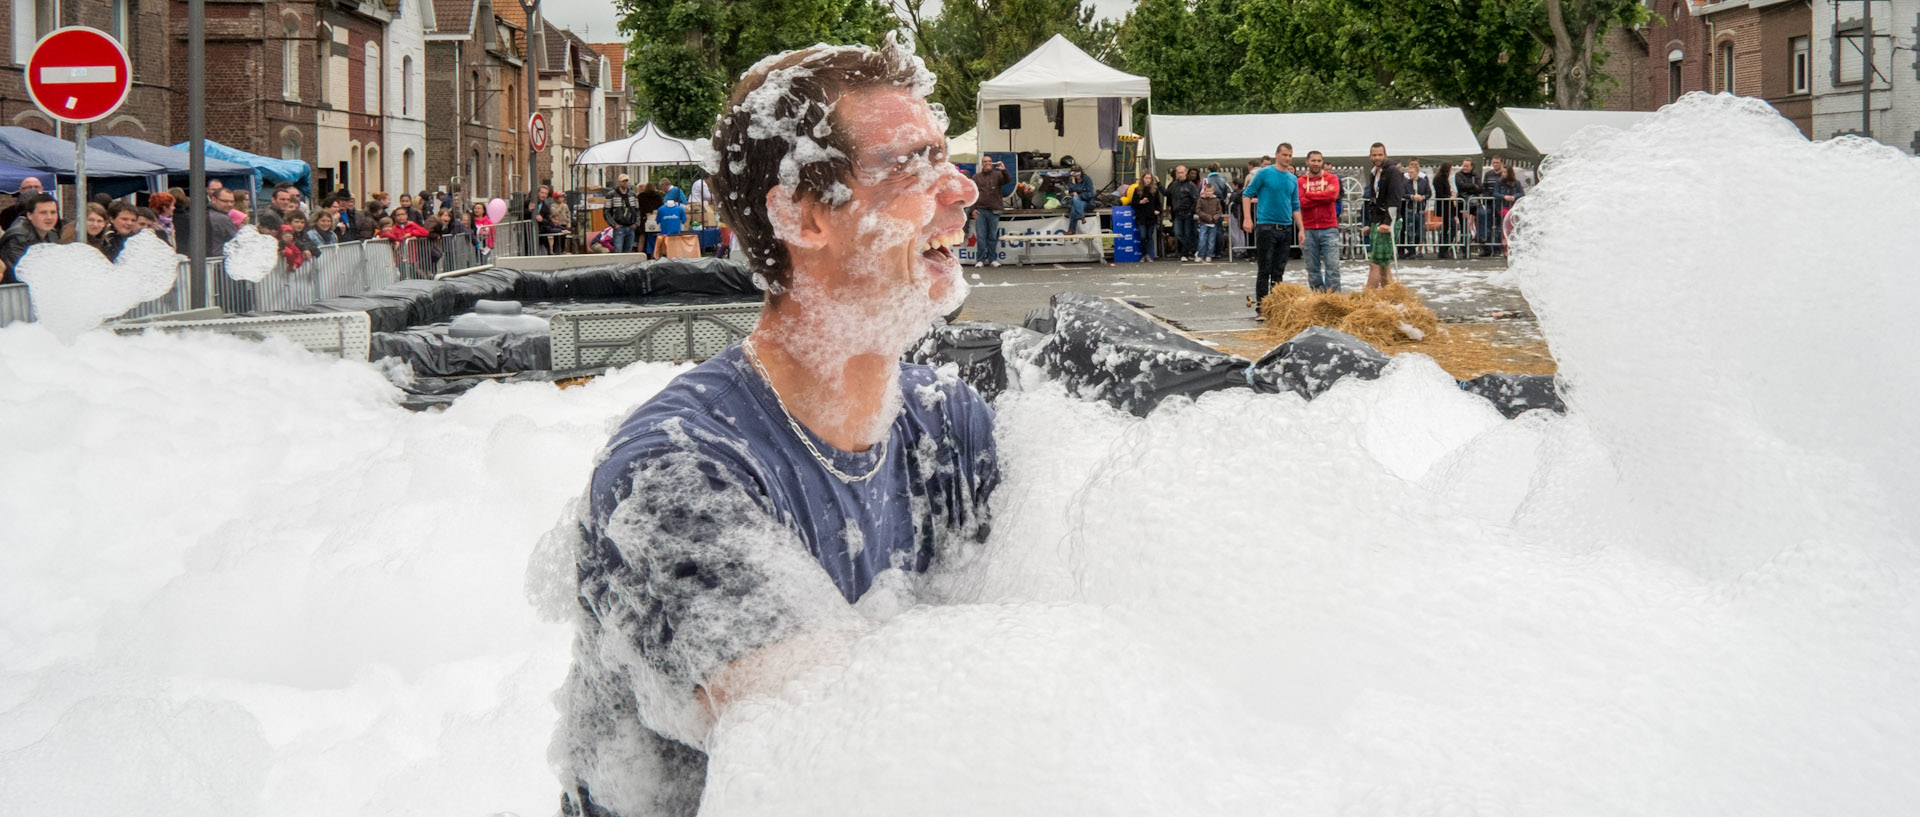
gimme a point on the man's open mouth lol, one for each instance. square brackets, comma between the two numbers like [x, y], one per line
[940, 247]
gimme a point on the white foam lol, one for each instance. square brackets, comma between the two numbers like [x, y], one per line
[250, 255]
[75, 288]
[238, 579]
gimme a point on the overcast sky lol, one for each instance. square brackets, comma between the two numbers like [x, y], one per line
[593, 19]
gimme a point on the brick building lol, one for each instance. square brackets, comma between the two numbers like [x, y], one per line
[571, 98]
[141, 27]
[1757, 48]
[1837, 58]
[474, 76]
[619, 109]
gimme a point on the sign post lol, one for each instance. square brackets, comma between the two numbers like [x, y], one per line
[78, 75]
[537, 127]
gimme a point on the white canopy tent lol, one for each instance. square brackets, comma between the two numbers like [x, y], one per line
[1341, 136]
[1532, 133]
[650, 147]
[1060, 79]
[965, 147]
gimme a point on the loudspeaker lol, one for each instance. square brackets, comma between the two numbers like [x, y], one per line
[1010, 117]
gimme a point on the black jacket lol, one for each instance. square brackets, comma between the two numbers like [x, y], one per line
[623, 209]
[14, 244]
[1387, 189]
[1182, 195]
[1465, 185]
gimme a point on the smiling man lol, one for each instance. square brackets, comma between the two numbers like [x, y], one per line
[747, 523]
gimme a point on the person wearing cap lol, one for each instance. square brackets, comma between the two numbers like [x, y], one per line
[1079, 198]
[623, 212]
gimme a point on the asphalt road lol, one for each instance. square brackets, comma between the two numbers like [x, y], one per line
[1209, 300]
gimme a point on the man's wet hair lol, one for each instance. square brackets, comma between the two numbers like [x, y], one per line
[747, 166]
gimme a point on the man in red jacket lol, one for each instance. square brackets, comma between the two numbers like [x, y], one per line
[1320, 217]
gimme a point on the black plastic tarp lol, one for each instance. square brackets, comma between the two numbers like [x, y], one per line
[436, 354]
[1517, 394]
[1314, 360]
[976, 348]
[1104, 350]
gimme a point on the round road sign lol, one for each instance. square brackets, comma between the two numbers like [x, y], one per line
[78, 74]
[537, 128]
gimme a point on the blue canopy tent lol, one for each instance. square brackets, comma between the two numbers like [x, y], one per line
[108, 173]
[12, 175]
[231, 174]
[269, 171]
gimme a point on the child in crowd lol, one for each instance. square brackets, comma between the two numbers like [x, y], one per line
[301, 236]
[1208, 211]
[289, 251]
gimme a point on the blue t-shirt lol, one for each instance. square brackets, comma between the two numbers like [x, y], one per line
[1279, 195]
[712, 531]
[671, 217]
[674, 194]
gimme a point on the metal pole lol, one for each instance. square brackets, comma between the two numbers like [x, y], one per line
[80, 177]
[197, 148]
[536, 35]
[1866, 70]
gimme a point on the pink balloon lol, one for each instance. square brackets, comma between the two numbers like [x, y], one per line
[497, 210]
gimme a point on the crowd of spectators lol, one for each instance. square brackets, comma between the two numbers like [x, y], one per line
[427, 224]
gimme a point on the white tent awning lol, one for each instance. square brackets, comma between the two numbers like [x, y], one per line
[1437, 133]
[1058, 69]
[650, 146]
[965, 147]
[1535, 132]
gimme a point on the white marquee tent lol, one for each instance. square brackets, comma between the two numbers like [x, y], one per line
[1342, 136]
[648, 147]
[1059, 77]
[1531, 133]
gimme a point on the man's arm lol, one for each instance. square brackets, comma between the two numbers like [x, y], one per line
[1251, 197]
[698, 586]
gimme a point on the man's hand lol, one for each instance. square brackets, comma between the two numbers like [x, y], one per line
[1246, 225]
[1384, 228]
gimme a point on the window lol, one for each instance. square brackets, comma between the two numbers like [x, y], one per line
[290, 63]
[1674, 89]
[32, 19]
[473, 174]
[323, 65]
[1847, 55]
[373, 79]
[406, 169]
[1802, 63]
[376, 173]
[290, 149]
[406, 85]
[1726, 68]
[513, 110]
[473, 111]
[120, 20]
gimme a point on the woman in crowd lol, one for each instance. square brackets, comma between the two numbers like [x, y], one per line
[482, 226]
[96, 234]
[1146, 196]
[1505, 196]
[1445, 207]
[162, 205]
[321, 233]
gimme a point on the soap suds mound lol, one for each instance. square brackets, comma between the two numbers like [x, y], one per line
[234, 578]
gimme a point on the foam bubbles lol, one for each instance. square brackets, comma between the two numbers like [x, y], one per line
[75, 287]
[250, 255]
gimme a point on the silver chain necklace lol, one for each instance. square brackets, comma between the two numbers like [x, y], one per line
[754, 358]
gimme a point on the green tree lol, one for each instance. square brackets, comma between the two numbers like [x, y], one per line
[1571, 31]
[685, 54]
[970, 41]
[1188, 50]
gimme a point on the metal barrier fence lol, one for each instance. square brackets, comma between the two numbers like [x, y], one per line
[177, 299]
[514, 239]
[340, 269]
[14, 304]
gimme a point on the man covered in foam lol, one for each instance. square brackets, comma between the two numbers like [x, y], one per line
[737, 517]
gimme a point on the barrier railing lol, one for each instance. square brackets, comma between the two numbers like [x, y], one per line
[427, 257]
[177, 299]
[341, 269]
[15, 305]
[514, 239]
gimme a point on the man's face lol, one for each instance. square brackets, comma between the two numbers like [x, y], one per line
[126, 222]
[1498, 165]
[44, 216]
[214, 188]
[1180, 173]
[1316, 163]
[1466, 165]
[888, 247]
[283, 200]
[1413, 167]
[1284, 158]
[29, 187]
[1378, 155]
[223, 201]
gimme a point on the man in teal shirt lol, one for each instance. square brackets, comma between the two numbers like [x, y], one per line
[1272, 216]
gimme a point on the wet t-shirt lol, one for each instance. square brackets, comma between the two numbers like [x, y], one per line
[712, 530]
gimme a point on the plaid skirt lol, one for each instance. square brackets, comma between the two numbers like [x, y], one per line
[1379, 247]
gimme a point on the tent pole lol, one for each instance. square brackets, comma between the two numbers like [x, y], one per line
[1153, 162]
[197, 150]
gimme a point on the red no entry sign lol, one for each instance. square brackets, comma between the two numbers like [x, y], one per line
[78, 74]
[537, 127]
